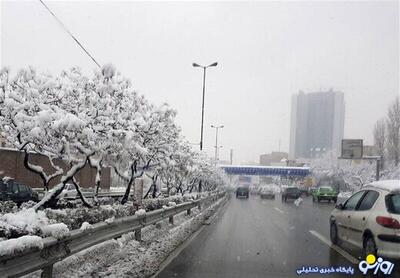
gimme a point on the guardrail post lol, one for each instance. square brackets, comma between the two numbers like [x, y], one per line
[138, 234]
[188, 211]
[171, 219]
[47, 272]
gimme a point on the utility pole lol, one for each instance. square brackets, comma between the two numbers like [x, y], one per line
[202, 103]
[378, 166]
[216, 141]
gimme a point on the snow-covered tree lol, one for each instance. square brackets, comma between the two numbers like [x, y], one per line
[100, 121]
[393, 130]
[380, 139]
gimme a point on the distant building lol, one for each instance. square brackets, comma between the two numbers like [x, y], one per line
[273, 159]
[250, 163]
[316, 124]
[224, 162]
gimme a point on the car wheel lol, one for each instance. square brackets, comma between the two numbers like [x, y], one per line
[369, 246]
[334, 233]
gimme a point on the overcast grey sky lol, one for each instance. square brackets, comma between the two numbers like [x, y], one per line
[266, 52]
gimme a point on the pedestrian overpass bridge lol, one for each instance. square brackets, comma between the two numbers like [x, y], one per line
[266, 170]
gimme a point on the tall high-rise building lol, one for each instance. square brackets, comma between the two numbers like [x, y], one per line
[316, 124]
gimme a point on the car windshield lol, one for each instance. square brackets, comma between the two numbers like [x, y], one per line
[199, 139]
[266, 190]
[69, 186]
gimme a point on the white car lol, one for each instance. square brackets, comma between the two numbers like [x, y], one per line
[68, 192]
[266, 191]
[370, 219]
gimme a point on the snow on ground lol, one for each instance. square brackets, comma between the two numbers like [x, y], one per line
[298, 201]
[126, 257]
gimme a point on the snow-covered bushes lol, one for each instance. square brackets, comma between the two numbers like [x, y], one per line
[14, 246]
[7, 207]
[74, 218]
[29, 222]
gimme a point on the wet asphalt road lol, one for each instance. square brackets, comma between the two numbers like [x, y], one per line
[262, 238]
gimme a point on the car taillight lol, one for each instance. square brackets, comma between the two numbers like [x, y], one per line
[388, 222]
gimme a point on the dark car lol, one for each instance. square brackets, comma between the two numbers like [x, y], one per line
[291, 192]
[17, 192]
[242, 192]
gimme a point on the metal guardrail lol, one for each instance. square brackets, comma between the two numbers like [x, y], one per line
[99, 195]
[55, 250]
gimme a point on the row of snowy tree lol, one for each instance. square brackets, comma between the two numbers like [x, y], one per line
[387, 135]
[100, 121]
[353, 174]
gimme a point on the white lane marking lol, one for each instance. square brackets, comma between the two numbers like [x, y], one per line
[187, 241]
[277, 209]
[349, 257]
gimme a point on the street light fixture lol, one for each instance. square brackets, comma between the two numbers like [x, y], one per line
[202, 104]
[216, 141]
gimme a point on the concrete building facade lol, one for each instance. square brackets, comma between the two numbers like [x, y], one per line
[273, 159]
[12, 165]
[317, 124]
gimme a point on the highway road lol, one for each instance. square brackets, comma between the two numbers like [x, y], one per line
[264, 238]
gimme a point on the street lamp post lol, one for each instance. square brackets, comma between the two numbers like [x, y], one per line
[202, 104]
[216, 141]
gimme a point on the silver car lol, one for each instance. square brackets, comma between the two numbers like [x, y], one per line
[370, 219]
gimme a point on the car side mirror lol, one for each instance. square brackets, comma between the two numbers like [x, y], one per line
[339, 206]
